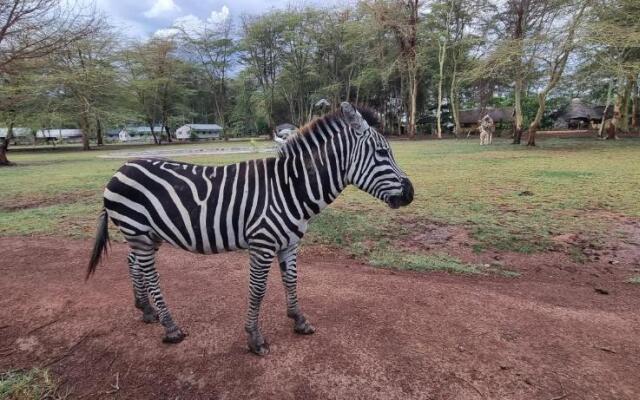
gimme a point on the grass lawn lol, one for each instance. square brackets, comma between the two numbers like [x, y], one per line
[509, 198]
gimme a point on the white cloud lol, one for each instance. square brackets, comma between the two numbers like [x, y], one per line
[166, 33]
[161, 7]
[194, 26]
[190, 24]
[218, 17]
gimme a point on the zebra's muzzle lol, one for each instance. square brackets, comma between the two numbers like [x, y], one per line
[403, 199]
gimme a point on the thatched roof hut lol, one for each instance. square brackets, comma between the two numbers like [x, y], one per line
[469, 118]
[578, 114]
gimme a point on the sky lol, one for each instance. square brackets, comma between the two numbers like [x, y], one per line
[144, 18]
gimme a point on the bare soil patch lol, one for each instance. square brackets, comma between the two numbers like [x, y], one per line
[382, 334]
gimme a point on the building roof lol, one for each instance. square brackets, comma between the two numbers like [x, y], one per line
[142, 129]
[205, 127]
[577, 109]
[59, 133]
[504, 114]
[16, 132]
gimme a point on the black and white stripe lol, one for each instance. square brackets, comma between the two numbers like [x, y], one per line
[260, 205]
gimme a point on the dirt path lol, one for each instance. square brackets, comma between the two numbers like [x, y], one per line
[381, 334]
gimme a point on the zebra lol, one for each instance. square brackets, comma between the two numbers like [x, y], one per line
[262, 205]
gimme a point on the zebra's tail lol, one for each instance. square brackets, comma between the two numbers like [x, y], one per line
[101, 243]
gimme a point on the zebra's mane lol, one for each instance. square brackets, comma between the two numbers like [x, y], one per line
[367, 114]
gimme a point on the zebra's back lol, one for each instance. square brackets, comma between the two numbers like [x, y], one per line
[199, 208]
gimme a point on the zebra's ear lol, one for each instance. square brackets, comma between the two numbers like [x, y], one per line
[353, 118]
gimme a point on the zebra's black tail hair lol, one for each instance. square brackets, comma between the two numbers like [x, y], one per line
[101, 244]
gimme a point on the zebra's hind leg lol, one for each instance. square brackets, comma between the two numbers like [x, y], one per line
[260, 262]
[146, 261]
[140, 293]
[288, 269]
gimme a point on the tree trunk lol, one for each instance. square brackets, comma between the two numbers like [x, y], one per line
[634, 108]
[606, 109]
[442, 50]
[519, 120]
[533, 127]
[412, 112]
[624, 107]
[84, 126]
[166, 129]
[153, 133]
[453, 102]
[99, 132]
[612, 130]
[4, 161]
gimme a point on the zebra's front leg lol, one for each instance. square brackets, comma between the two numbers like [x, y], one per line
[146, 261]
[260, 262]
[288, 269]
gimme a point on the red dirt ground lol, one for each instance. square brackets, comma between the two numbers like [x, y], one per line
[381, 334]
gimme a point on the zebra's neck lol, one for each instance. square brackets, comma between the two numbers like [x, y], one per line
[315, 164]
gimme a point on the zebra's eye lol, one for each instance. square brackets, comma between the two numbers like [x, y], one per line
[382, 152]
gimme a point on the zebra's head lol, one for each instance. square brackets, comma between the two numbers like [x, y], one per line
[372, 166]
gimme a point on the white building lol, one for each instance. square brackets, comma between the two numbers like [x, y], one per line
[199, 131]
[138, 133]
[17, 132]
[69, 135]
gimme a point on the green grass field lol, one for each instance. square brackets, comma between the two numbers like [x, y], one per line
[570, 185]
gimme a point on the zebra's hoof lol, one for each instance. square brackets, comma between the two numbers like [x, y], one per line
[174, 336]
[150, 318]
[304, 328]
[259, 349]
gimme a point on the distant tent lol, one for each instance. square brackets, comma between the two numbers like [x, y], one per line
[199, 131]
[470, 118]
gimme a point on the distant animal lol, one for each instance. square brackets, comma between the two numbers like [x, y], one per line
[486, 129]
[261, 205]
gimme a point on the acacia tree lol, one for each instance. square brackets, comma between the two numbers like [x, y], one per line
[212, 48]
[153, 74]
[84, 72]
[565, 45]
[32, 29]
[261, 46]
[519, 24]
[614, 36]
[401, 17]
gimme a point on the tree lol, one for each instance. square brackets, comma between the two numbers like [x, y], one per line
[86, 78]
[613, 36]
[154, 76]
[401, 17]
[565, 45]
[211, 47]
[262, 46]
[520, 23]
[32, 29]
